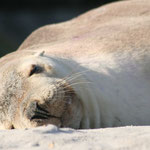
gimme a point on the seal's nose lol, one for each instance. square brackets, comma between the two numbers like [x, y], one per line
[37, 115]
[34, 111]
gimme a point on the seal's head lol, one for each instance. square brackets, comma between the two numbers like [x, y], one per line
[33, 93]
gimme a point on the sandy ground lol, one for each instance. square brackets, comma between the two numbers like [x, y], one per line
[50, 137]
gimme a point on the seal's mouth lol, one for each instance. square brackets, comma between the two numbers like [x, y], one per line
[60, 106]
[53, 110]
[41, 113]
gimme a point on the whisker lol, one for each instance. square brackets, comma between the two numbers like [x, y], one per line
[63, 97]
[62, 85]
[69, 91]
[77, 83]
[76, 75]
[70, 75]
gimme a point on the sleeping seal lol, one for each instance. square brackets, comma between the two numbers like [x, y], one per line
[90, 72]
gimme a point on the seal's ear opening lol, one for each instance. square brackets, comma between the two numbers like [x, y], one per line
[39, 53]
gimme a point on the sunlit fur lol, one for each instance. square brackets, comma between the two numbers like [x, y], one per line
[100, 60]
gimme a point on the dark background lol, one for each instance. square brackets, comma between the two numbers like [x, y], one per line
[19, 18]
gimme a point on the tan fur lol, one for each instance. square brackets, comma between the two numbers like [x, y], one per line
[107, 47]
[115, 27]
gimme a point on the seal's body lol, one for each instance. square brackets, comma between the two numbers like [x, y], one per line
[94, 72]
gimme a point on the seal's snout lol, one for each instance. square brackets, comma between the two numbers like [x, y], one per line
[58, 108]
[52, 108]
[39, 115]
[35, 111]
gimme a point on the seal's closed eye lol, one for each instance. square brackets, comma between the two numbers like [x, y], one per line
[35, 69]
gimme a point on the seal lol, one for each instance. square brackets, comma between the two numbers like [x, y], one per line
[89, 72]
[33, 93]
